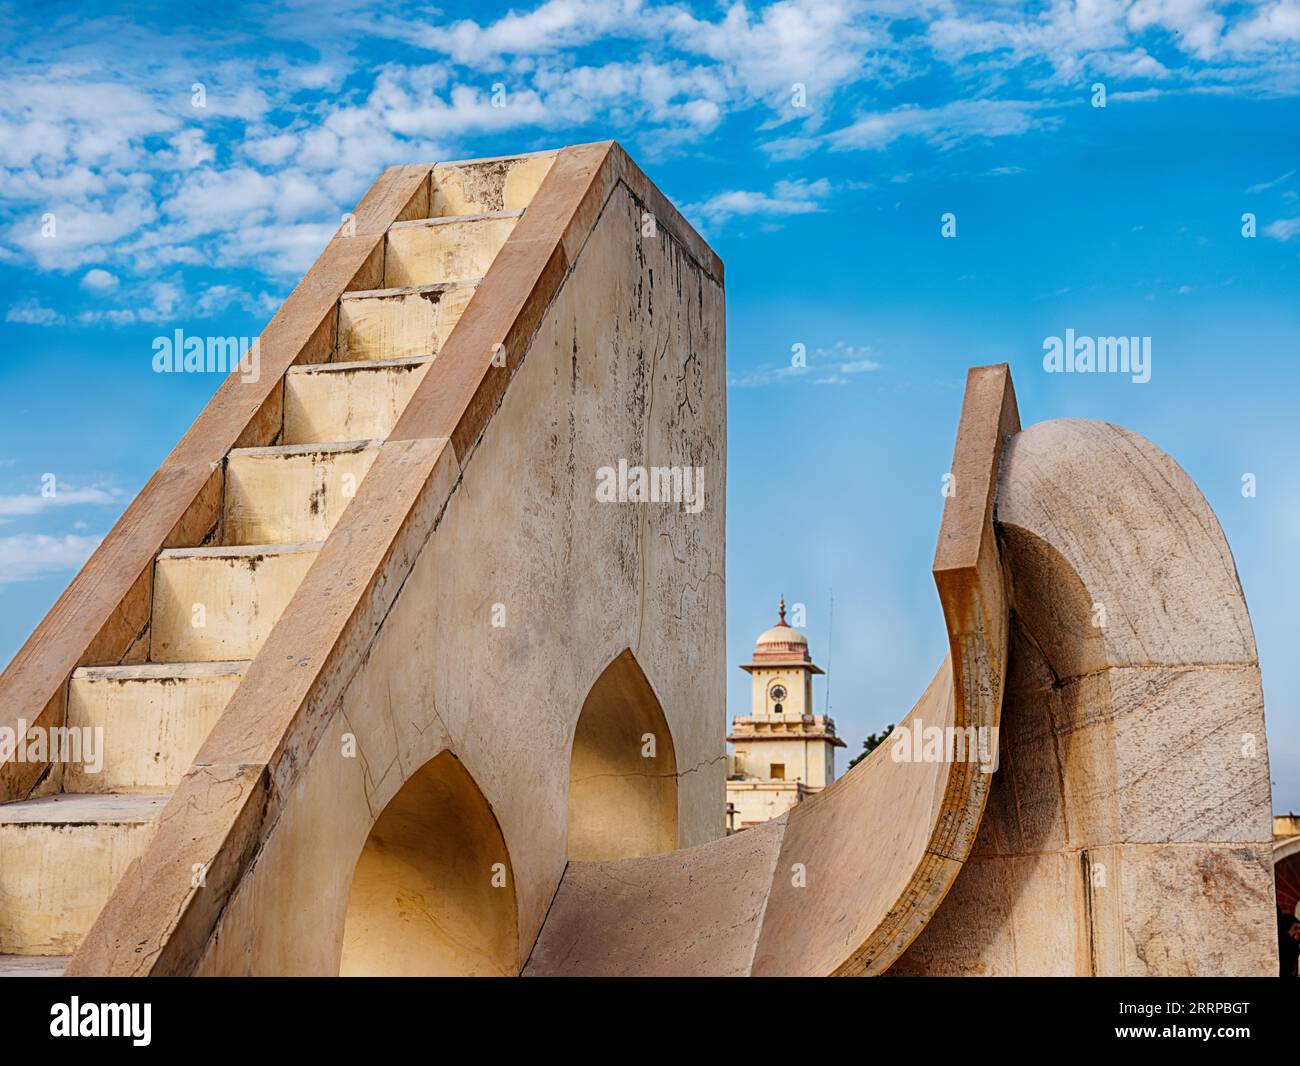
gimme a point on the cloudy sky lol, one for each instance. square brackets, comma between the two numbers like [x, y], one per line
[195, 165]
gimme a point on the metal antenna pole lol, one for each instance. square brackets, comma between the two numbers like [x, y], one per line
[830, 649]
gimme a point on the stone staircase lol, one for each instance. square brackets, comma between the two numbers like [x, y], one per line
[63, 850]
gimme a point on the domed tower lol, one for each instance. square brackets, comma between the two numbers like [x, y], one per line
[782, 751]
[782, 671]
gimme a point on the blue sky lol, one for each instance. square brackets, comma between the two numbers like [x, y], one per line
[1122, 220]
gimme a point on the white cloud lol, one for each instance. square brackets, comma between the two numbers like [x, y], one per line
[114, 316]
[1193, 23]
[786, 198]
[217, 298]
[1283, 229]
[1264, 186]
[1100, 37]
[64, 496]
[839, 364]
[945, 126]
[99, 280]
[26, 556]
[549, 27]
[29, 312]
[1063, 34]
[158, 301]
[73, 114]
[1271, 26]
[143, 184]
[822, 47]
[245, 102]
[842, 362]
[82, 233]
[271, 150]
[781, 149]
[1135, 64]
[740, 60]
[770, 374]
[166, 301]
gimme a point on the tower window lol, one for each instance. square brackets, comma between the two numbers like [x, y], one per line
[777, 709]
[778, 771]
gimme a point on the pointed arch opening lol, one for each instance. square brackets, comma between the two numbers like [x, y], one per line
[433, 893]
[623, 770]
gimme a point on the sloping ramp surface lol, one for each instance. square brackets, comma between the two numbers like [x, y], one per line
[744, 904]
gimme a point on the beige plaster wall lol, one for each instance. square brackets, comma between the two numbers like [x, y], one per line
[760, 801]
[798, 685]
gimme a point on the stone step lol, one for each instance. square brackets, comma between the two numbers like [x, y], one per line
[219, 604]
[33, 965]
[472, 187]
[360, 400]
[400, 323]
[450, 249]
[154, 718]
[291, 494]
[60, 858]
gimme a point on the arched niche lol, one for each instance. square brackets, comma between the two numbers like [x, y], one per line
[622, 771]
[433, 893]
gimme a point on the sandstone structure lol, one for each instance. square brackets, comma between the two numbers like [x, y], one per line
[389, 685]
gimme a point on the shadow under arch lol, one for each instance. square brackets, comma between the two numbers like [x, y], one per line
[433, 893]
[622, 769]
[1286, 875]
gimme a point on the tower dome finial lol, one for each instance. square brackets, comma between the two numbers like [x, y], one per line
[783, 621]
